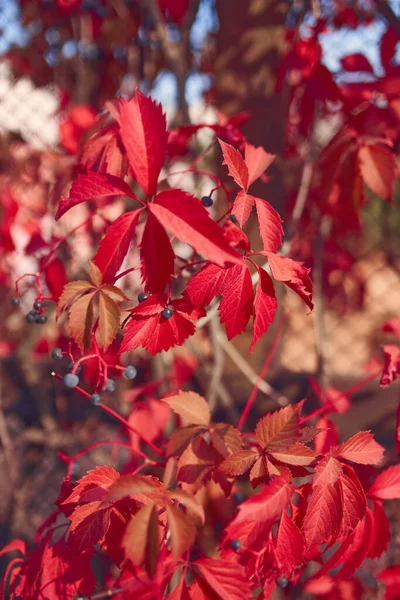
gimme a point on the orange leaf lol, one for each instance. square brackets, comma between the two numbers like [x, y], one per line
[141, 539]
[328, 471]
[190, 406]
[135, 486]
[95, 274]
[81, 320]
[239, 463]
[182, 530]
[71, 292]
[279, 430]
[109, 319]
[190, 502]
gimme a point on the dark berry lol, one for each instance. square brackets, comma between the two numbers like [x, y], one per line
[31, 316]
[75, 469]
[57, 354]
[95, 399]
[41, 319]
[167, 312]
[238, 498]
[110, 387]
[37, 305]
[234, 219]
[130, 372]
[15, 301]
[142, 297]
[207, 201]
[235, 544]
[281, 581]
[71, 366]
[71, 380]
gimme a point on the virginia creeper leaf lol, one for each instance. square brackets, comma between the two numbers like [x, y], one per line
[157, 256]
[191, 406]
[292, 274]
[265, 305]
[182, 530]
[361, 449]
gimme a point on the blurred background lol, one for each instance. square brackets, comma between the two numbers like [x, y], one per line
[294, 72]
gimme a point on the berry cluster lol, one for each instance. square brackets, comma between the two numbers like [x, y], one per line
[36, 314]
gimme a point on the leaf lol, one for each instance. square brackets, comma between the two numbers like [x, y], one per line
[328, 437]
[279, 430]
[72, 291]
[93, 185]
[109, 318]
[323, 515]
[157, 256]
[136, 486]
[144, 135]
[289, 546]
[189, 221]
[89, 524]
[115, 245]
[242, 207]
[238, 463]
[81, 320]
[361, 449]
[190, 406]
[236, 165]
[380, 537]
[181, 438]
[270, 225]
[93, 486]
[378, 169]
[296, 455]
[180, 592]
[95, 274]
[265, 305]
[196, 465]
[391, 369]
[141, 539]
[292, 274]
[328, 471]
[387, 485]
[206, 284]
[257, 161]
[190, 502]
[266, 505]
[182, 530]
[226, 579]
[354, 502]
[236, 305]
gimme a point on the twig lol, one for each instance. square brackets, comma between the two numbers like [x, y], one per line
[319, 321]
[260, 378]
[248, 371]
[101, 595]
[218, 367]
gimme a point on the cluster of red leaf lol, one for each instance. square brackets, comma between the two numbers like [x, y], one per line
[324, 506]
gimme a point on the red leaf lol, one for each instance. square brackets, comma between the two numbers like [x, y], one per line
[236, 165]
[279, 430]
[290, 545]
[206, 284]
[93, 185]
[265, 305]
[144, 135]
[356, 62]
[226, 580]
[378, 169]
[354, 502]
[328, 437]
[387, 485]
[157, 256]
[93, 486]
[327, 471]
[391, 369]
[296, 455]
[323, 516]
[361, 449]
[242, 206]
[56, 278]
[115, 245]
[267, 505]
[89, 524]
[292, 274]
[270, 225]
[380, 534]
[236, 305]
[257, 161]
[189, 221]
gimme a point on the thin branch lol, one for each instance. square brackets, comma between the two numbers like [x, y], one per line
[218, 368]
[248, 371]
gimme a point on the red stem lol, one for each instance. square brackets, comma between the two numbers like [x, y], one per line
[264, 369]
